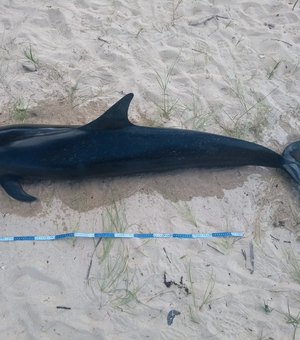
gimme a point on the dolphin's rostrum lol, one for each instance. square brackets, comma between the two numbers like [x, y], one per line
[112, 146]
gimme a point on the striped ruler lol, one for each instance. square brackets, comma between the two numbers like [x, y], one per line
[117, 235]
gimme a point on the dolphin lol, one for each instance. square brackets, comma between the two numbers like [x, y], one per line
[112, 146]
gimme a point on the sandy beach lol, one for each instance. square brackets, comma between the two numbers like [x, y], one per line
[227, 67]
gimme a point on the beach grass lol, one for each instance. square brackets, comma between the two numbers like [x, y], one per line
[293, 320]
[167, 104]
[252, 116]
[115, 278]
[19, 111]
[31, 57]
[292, 264]
[198, 302]
[199, 118]
[174, 13]
[185, 211]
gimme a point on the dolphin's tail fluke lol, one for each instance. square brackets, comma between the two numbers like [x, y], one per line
[291, 161]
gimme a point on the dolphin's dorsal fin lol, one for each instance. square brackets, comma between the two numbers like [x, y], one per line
[114, 118]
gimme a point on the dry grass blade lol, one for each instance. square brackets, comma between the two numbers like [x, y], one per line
[175, 7]
[167, 105]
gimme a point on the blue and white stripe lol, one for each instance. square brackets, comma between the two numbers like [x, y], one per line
[117, 235]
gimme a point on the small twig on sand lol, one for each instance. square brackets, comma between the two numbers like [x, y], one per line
[251, 257]
[275, 238]
[274, 69]
[101, 39]
[295, 4]
[193, 49]
[164, 249]
[204, 22]
[216, 249]
[245, 257]
[63, 307]
[139, 32]
[91, 260]
[285, 42]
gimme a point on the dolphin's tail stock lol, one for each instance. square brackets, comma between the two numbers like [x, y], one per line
[291, 161]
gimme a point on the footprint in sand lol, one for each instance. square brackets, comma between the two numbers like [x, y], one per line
[58, 21]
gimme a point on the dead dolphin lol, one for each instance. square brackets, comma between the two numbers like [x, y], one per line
[112, 146]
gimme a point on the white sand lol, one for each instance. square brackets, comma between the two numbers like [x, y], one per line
[223, 69]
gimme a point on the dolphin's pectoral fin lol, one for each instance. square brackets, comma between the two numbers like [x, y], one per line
[14, 189]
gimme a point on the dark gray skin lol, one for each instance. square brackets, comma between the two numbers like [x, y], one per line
[112, 146]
